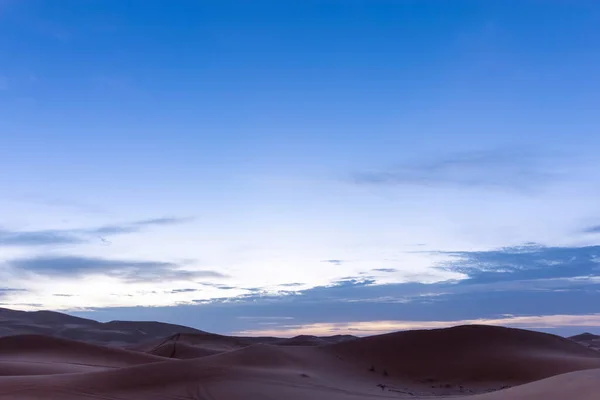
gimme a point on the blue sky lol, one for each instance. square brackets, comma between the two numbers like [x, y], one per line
[302, 166]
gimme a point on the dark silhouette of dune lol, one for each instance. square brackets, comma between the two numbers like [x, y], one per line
[470, 353]
[309, 340]
[588, 340]
[584, 337]
[150, 328]
[56, 318]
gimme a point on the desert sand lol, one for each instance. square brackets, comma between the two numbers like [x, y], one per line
[47, 355]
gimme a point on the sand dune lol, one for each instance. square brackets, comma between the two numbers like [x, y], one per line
[470, 354]
[580, 385]
[588, 340]
[192, 364]
[258, 372]
[47, 349]
[194, 345]
[309, 340]
[151, 328]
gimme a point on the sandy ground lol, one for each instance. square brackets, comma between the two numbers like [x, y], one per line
[474, 362]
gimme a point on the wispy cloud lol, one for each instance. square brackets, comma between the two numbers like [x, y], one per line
[133, 227]
[592, 229]
[218, 285]
[76, 236]
[8, 290]
[389, 270]
[38, 238]
[183, 290]
[513, 169]
[334, 262]
[132, 271]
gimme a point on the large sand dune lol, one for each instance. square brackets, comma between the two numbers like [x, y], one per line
[191, 364]
[38, 348]
[470, 353]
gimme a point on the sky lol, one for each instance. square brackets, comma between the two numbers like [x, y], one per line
[316, 167]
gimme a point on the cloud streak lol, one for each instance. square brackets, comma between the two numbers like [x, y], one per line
[38, 238]
[174, 291]
[130, 271]
[592, 229]
[493, 168]
[55, 237]
[334, 262]
[133, 227]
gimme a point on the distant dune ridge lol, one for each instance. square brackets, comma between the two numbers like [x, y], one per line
[49, 355]
[588, 340]
[118, 333]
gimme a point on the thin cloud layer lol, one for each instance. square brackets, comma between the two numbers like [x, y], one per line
[38, 238]
[364, 328]
[189, 290]
[492, 168]
[54, 237]
[592, 229]
[133, 227]
[130, 271]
